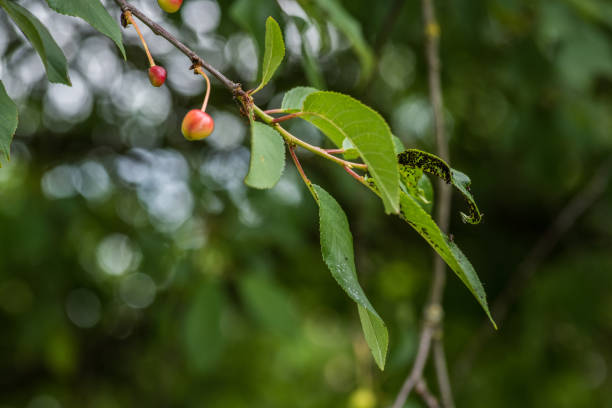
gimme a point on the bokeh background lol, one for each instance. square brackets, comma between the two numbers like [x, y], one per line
[136, 269]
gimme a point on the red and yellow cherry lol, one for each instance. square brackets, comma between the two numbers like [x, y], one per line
[157, 75]
[170, 6]
[197, 125]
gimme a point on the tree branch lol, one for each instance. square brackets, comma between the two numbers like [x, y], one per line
[290, 138]
[195, 58]
[235, 87]
[432, 30]
[433, 311]
[429, 399]
[419, 363]
[564, 221]
[444, 384]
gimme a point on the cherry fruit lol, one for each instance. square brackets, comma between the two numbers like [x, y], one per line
[170, 6]
[157, 75]
[197, 125]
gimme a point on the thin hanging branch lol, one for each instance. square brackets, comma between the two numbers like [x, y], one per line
[419, 364]
[433, 313]
[446, 392]
[427, 397]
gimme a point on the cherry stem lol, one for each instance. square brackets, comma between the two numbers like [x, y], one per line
[287, 117]
[300, 170]
[294, 140]
[335, 151]
[200, 71]
[297, 164]
[271, 111]
[354, 174]
[128, 17]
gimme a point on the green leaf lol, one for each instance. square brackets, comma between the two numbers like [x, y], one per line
[425, 193]
[273, 54]
[399, 145]
[337, 251]
[418, 185]
[339, 116]
[50, 53]
[415, 215]
[414, 182]
[376, 335]
[267, 157]
[94, 13]
[352, 30]
[8, 122]
[249, 14]
[294, 98]
[350, 152]
[432, 164]
[202, 328]
[462, 182]
[269, 304]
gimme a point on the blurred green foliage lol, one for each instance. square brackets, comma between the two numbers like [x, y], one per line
[136, 269]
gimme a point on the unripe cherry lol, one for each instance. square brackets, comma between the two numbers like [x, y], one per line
[157, 75]
[197, 125]
[170, 6]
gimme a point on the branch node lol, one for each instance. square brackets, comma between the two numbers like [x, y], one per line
[432, 30]
[125, 17]
[433, 314]
[243, 99]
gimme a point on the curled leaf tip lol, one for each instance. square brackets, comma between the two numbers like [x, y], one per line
[432, 164]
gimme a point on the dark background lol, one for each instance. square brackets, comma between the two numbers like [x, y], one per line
[136, 269]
